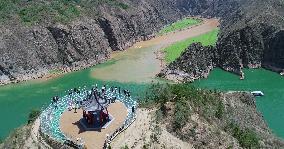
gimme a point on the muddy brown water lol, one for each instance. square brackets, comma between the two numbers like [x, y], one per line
[140, 62]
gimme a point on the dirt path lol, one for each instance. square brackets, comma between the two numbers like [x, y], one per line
[140, 63]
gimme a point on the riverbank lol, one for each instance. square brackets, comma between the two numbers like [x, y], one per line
[31, 47]
[44, 73]
[147, 56]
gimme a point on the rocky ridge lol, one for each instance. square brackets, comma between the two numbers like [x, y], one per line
[200, 131]
[250, 37]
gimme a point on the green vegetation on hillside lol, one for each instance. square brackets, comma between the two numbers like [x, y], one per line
[179, 25]
[34, 114]
[59, 11]
[247, 138]
[36, 11]
[124, 147]
[187, 99]
[175, 50]
[182, 113]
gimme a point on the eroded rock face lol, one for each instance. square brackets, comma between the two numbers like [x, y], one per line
[31, 52]
[241, 108]
[274, 54]
[251, 33]
[251, 36]
[28, 52]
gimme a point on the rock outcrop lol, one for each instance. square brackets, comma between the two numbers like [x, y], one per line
[241, 109]
[251, 33]
[195, 62]
[250, 36]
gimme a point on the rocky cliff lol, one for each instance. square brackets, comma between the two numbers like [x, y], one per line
[251, 33]
[195, 62]
[31, 51]
[240, 117]
[180, 116]
[250, 37]
[41, 36]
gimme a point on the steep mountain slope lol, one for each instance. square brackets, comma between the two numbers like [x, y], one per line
[31, 51]
[251, 33]
[39, 36]
[250, 37]
[208, 119]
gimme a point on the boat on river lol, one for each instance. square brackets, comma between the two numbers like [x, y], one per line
[257, 93]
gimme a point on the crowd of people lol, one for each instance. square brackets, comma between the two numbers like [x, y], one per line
[78, 98]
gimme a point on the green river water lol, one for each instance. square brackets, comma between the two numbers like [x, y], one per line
[16, 100]
[271, 105]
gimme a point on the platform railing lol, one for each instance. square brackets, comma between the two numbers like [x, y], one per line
[50, 117]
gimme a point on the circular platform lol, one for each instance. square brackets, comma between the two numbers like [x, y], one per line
[71, 126]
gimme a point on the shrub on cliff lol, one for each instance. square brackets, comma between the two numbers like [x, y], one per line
[17, 138]
[247, 138]
[182, 112]
[34, 114]
[64, 11]
[220, 110]
[186, 99]
[124, 147]
[156, 94]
